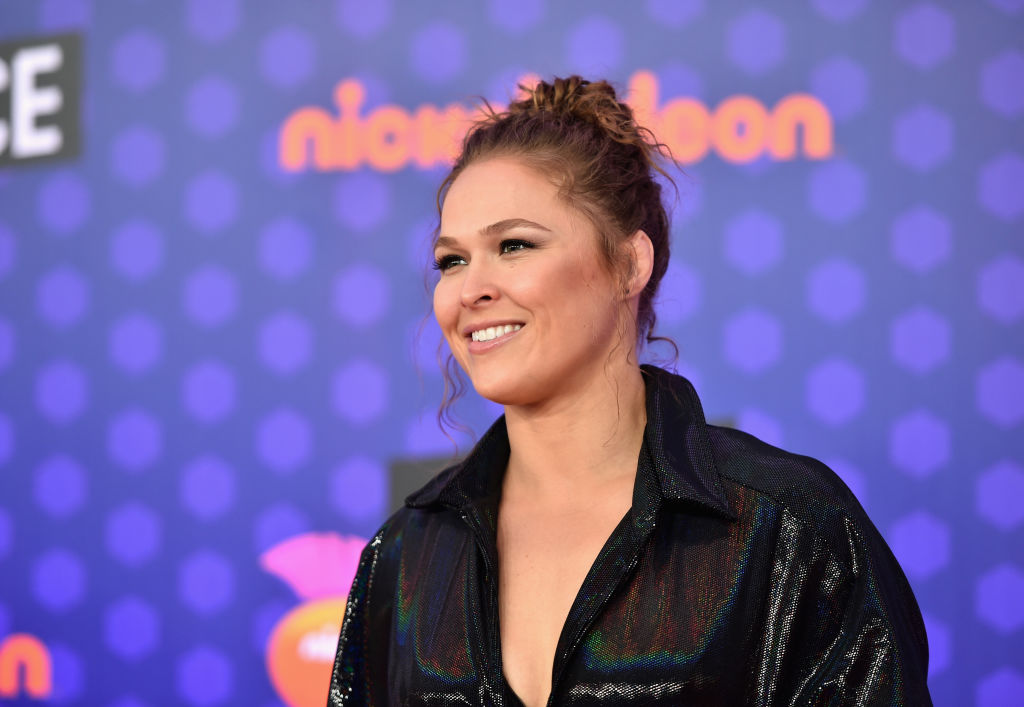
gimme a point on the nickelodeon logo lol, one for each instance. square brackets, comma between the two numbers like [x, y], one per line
[319, 568]
[739, 129]
[25, 667]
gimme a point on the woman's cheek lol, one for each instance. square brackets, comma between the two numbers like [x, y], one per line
[446, 312]
[444, 308]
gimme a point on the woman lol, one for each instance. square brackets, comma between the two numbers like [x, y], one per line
[602, 543]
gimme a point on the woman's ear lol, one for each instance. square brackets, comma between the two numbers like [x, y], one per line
[640, 250]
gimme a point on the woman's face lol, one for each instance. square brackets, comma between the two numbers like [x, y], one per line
[523, 298]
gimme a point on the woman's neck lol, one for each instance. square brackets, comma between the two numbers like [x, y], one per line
[580, 441]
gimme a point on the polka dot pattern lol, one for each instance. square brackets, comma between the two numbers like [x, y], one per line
[135, 439]
[360, 391]
[208, 487]
[287, 57]
[595, 46]
[843, 85]
[211, 198]
[284, 441]
[209, 392]
[756, 42]
[134, 533]
[363, 20]
[358, 488]
[61, 486]
[136, 343]
[675, 13]
[138, 60]
[62, 391]
[138, 156]
[214, 20]
[924, 35]
[517, 16]
[6, 533]
[837, 191]
[8, 251]
[836, 290]
[66, 661]
[6, 439]
[211, 110]
[362, 201]
[278, 522]
[63, 297]
[286, 343]
[137, 250]
[131, 628]
[59, 580]
[361, 295]
[64, 203]
[204, 353]
[205, 676]
[285, 249]
[211, 296]
[206, 582]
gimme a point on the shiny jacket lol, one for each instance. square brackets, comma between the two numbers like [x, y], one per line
[742, 575]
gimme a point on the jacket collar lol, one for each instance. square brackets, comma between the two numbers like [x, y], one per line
[676, 439]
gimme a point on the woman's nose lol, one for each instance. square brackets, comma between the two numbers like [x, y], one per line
[478, 284]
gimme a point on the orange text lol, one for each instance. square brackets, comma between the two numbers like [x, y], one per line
[739, 129]
[25, 667]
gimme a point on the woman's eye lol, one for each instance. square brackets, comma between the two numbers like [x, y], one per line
[446, 262]
[510, 246]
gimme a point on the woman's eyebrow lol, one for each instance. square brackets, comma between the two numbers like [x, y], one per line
[510, 223]
[494, 229]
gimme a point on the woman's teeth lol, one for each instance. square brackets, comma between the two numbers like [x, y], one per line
[493, 332]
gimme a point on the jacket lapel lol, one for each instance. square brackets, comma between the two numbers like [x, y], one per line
[675, 464]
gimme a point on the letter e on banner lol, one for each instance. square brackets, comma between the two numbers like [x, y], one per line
[40, 96]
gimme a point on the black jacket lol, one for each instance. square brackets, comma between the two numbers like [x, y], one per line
[742, 575]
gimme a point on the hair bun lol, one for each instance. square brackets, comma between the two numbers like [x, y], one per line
[593, 102]
[562, 95]
[572, 95]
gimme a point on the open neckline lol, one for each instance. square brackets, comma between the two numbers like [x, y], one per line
[620, 534]
[510, 693]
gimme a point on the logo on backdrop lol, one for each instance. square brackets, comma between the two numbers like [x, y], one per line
[40, 90]
[739, 129]
[319, 568]
[25, 668]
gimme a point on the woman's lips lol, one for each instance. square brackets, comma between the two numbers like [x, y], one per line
[480, 347]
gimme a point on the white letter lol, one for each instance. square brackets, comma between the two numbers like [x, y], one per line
[29, 102]
[4, 77]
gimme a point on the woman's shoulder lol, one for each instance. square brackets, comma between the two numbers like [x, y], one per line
[790, 477]
[424, 518]
[803, 487]
[413, 521]
[755, 475]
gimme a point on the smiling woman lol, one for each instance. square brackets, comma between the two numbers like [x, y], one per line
[602, 543]
[521, 260]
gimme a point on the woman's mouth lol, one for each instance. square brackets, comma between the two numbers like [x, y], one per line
[494, 332]
[483, 340]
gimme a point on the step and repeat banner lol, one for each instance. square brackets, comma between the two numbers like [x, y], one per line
[218, 367]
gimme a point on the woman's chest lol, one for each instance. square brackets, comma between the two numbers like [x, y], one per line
[543, 564]
[663, 614]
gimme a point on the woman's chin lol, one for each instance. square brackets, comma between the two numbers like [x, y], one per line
[498, 396]
[501, 390]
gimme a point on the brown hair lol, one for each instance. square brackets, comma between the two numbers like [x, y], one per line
[587, 141]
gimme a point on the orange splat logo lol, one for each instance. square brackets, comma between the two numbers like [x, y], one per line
[319, 567]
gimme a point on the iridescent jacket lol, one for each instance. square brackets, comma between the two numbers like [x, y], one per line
[742, 575]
